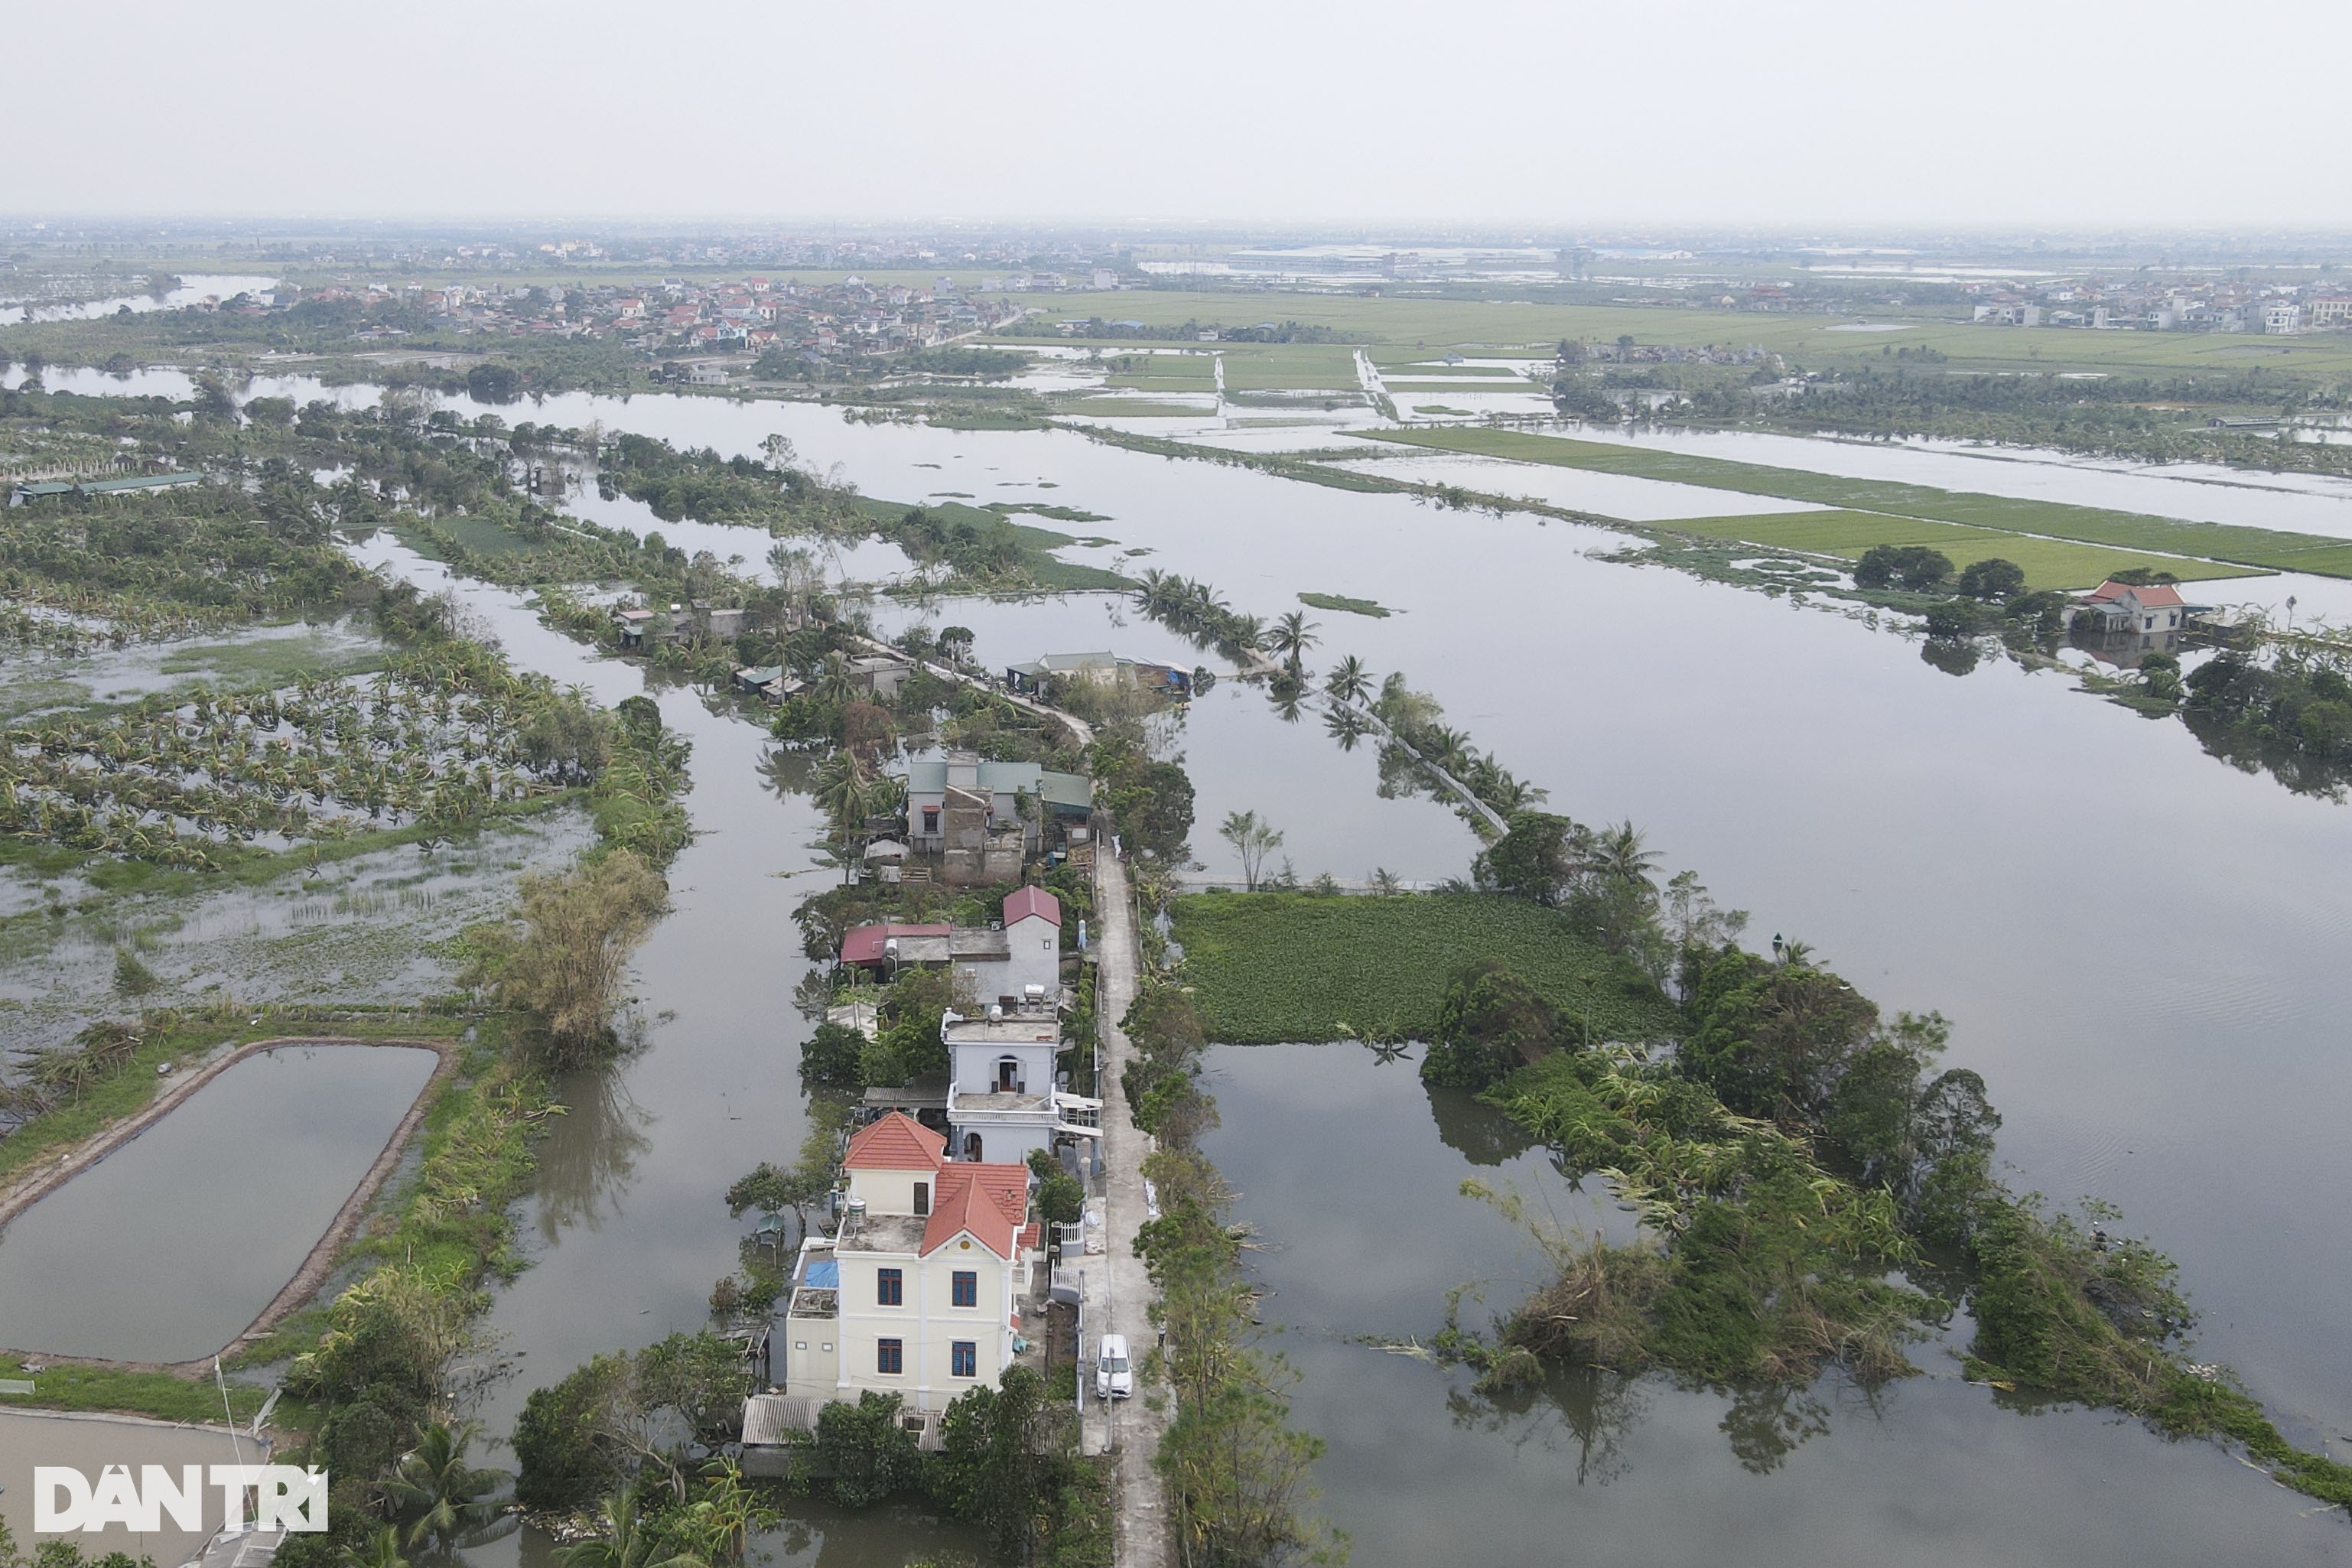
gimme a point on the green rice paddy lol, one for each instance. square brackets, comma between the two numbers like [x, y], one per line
[1899, 504]
[2047, 563]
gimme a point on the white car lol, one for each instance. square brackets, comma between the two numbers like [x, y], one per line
[1114, 1374]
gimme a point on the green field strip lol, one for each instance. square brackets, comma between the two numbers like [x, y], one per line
[1290, 367]
[2047, 563]
[2260, 547]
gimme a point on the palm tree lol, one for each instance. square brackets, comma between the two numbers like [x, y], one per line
[1252, 840]
[1291, 636]
[1442, 748]
[833, 679]
[844, 790]
[625, 1542]
[1349, 681]
[1241, 635]
[445, 1501]
[1619, 853]
[382, 1550]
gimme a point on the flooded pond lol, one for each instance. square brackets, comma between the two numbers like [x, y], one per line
[90, 1444]
[1365, 1231]
[167, 1249]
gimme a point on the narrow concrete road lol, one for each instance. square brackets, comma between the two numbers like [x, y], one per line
[1137, 1424]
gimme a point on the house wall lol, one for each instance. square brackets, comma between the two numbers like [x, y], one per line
[812, 1359]
[1036, 955]
[973, 1066]
[889, 1192]
[1005, 1138]
[928, 1324]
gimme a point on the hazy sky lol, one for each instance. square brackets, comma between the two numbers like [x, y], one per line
[2063, 113]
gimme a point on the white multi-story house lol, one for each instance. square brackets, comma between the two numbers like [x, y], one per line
[922, 1290]
[1003, 1099]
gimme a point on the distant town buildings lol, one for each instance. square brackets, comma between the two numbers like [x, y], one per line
[2102, 305]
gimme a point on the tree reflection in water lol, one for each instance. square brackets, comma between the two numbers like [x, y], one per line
[1478, 1131]
[1767, 1422]
[590, 1154]
[1594, 1411]
[1579, 1408]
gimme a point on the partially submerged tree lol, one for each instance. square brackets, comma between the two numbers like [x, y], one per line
[1252, 840]
[1491, 1024]
[565, 963]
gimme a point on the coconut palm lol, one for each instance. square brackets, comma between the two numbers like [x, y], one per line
[443, 1500]
[1349, 681]
[381, 1550]
[624, 1542]
[833, 683]
[1619, 853]
[1290, 637]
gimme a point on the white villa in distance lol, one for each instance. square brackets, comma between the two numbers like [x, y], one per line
[2148, 608]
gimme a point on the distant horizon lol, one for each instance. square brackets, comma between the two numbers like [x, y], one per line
[1848, 239]
[1822, 115]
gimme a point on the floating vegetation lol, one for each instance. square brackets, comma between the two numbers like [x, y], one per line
[1346, 605]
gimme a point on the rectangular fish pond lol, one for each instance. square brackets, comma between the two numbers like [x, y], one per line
[172, 1244]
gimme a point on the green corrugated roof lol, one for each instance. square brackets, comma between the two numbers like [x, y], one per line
[140, 482]
[1069, 791]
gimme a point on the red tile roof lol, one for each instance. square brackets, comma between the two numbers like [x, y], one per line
[1030, 901]
[863, 944]
[896, 1142]
[989, 1200]
[2152, 595]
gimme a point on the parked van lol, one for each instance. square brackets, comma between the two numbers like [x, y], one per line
[1114, 1374]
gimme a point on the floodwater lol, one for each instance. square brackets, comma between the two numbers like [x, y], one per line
[627, 1229]
[193, 288]
[2135, 943]
[167, 1249]
[2139, 947]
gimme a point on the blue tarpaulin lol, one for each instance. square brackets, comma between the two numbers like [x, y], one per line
[824, 1273]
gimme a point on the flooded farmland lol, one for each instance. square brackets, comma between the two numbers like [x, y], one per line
[2135, 943]
[2130, 938]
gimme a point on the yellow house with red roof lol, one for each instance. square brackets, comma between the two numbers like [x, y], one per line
[926, 1289]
